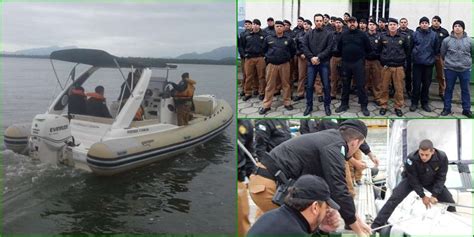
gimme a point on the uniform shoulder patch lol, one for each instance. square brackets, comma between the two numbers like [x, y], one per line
[262, 127]
[343, 151]
[409, 162]
[242, 129]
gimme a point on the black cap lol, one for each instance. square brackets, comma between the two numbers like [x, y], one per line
[392, 20]
[461, 23]
[363, 21]
[352, 18]
[339, 19]
[327, 16]
[383, 20]
[437, 18]
[279, 23]
[300, 18]
[248, 21]
[257, 22]
[287, 22]
[311, 187]
[185, 75]
[270, 19]
[333, 18]
[372, 21]
[355, 124]
[308, 22]
[347, 14]
[424, 19]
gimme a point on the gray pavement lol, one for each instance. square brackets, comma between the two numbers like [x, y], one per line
[249, 108]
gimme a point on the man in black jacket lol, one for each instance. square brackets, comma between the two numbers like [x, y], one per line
[270, 133]
[279, 50]
[408, 66]
[394, 48]
[442, 33]
[317, 46]
[77, 101]
[425, 168]
[245, 167]
[247, 28]
[252, 44]
[373, 67]
[322, 154]
[354, 46]
[270, 30]
[308, 210]
[301, 61]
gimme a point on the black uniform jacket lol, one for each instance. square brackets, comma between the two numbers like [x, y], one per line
[393, 49]
[269, 134]
[429, 174]
[252, 43]
[279, 50]
[322, 154]
[245, 136]
[283, 221]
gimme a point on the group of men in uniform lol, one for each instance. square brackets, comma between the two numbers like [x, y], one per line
[317, 161]
[380, 57]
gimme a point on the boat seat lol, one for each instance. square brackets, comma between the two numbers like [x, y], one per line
[144, 122]
[93, 119]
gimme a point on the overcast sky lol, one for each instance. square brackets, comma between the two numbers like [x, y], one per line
[123, 29]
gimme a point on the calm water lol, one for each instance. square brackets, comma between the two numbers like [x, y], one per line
[191, 193]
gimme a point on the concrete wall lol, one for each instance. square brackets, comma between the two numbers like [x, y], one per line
[448, 10]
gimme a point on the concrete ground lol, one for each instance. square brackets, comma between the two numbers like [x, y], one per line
[249, 108]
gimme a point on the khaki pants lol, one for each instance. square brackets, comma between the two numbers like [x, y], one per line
[356, 173]
[262, 190]
[242, 66]
[302, 76]
[274, 73]
[397, 74]
[374, 78]
[349, 183]
[294, 69]
[335, 75]
[243, 209]
[440, 74]
[255, 73]
[183, 111]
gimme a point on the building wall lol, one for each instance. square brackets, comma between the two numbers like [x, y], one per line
[448, 10]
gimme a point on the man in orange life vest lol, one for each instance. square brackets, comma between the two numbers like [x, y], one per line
[183, 98]
[96, 105]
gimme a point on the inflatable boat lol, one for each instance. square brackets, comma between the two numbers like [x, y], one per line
[107, 146]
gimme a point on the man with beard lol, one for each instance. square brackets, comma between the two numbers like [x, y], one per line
[354, 46]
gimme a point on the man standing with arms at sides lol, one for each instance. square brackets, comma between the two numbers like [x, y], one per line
[254, 61]
[279, 50]
[336, 61]
[424, 168]
[457, 57]
[393, 48]
[408, 66]
[425, 48]
[247, 28]
[299, 26]
[354, 46]
[442, 33]
[270, 30]
[317, 50]
[373, 68]
[302, 67]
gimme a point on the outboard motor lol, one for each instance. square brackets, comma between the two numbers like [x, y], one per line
[49, 134]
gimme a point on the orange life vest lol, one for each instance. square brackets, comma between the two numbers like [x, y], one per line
[189, 92]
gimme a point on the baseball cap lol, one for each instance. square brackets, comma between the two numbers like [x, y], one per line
[311, 187]
[355, 124]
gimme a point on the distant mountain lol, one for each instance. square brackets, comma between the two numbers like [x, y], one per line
[40, 51]
[216, 54]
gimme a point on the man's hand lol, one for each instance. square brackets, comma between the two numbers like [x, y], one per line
[427, 202]
[433, 200]
[358, 164]
[330, 222]
[374, 159]
[314, 60]
[360, 228]
[302, 56]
